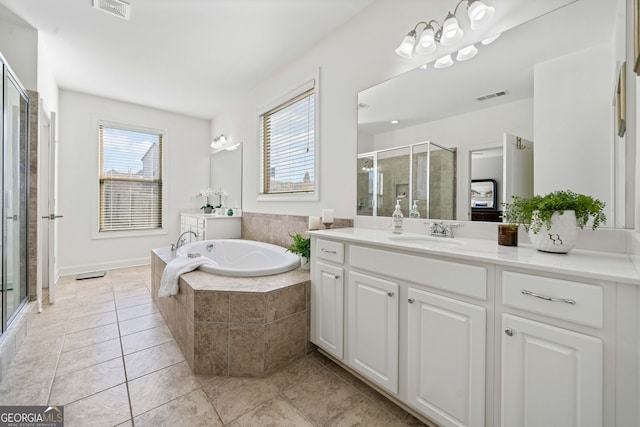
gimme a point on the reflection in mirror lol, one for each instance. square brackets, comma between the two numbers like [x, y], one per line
[570, 116]
[225, 171]
[421, 175]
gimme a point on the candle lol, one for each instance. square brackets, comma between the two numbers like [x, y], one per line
[314, 223]
[327, 216]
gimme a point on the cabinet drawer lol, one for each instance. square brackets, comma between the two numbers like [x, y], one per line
[331, 251]
[190, 221]
[462, 279]
[562, 299]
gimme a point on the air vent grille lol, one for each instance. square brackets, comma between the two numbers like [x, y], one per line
[117, 8]
[492, 95]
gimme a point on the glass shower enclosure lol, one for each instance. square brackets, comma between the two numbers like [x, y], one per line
[14, 164]
[424, 173]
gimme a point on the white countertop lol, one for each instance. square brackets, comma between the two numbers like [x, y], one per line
[210, 216]
[589, 264]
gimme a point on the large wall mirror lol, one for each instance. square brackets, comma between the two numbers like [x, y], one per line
[535, 111]
[225, 171]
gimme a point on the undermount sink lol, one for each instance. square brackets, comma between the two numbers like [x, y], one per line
[426, 240]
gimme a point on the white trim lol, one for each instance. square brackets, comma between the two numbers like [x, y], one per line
[95, 234]
[312, 81]
[85, 268]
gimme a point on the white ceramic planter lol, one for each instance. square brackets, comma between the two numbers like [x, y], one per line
[304, 263]
[562, 235]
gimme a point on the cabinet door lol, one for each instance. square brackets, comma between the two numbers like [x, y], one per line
[373, 329]
[446, 359]
[327, 300]
[550, 376]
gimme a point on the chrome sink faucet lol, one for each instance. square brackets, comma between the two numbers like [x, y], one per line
[181, 240]
[441, 229]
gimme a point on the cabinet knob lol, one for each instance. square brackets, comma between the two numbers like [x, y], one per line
[411, 300]
[390, 294]
[336, 277]
[509, 332]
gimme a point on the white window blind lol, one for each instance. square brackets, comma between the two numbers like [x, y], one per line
[288, 146]
[130, 180]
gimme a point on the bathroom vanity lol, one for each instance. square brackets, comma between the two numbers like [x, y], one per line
[209, 226]
[463, 332]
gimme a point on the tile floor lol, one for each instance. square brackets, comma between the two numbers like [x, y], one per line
[104, 352]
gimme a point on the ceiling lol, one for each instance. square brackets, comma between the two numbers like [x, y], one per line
[188, 56]
[421, 96]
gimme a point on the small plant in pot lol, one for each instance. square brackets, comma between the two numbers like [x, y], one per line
[553, 220]
[302, 246]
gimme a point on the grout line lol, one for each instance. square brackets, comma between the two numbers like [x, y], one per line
[124, 365]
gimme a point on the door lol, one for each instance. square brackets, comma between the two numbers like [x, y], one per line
[373, 329]
[327, 300]
[446, 359]
[47, 202]
[517, 167]
[550, 376]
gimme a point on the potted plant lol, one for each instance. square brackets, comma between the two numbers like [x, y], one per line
[302, 246]
[206, 192]
[553, 220]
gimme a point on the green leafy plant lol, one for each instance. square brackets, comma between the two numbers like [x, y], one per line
[301, 245]
[533, 212]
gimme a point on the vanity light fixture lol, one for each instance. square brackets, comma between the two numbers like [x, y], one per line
[219, 141]
[448, 33]
[443, 62]
[467, 53]
[491, 39]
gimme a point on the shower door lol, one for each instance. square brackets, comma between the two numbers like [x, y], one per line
[14, 184]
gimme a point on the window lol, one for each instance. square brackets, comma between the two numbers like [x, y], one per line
[288, 136]
[130, 179]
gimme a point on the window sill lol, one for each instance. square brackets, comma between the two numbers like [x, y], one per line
[289, 197]
[128, 234]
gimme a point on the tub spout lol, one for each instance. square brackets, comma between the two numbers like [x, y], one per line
[181, 240]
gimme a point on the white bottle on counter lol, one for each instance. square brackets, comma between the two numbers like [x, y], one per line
[414, 213]
[397, 219]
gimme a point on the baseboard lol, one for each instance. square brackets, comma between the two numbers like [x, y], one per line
[111, 265]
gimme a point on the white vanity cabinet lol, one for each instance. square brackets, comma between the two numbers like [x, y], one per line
[551, 374]
[446, 358]
[210, 227]
[373, 328]
[327, 296]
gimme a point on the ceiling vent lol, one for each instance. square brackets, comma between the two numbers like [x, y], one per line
[492, 95]
[117, 8]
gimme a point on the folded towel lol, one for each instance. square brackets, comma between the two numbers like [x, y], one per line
[174, 269]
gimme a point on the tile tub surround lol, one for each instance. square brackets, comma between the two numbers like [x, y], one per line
[275, 229]
[236, 326]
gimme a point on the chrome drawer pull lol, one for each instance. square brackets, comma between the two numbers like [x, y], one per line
[328, 251]
[546, 298]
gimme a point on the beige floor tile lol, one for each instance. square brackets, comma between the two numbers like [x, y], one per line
[152, 359]
[21, 393]
[137, 311]
[235, 396]
[107, 408]
[276, 412]
[91, 336]
[84, 357]
[193, 410]
[82, 310]
[160, 387]
[128, 423]
[366, 413]
[92, 321]
[296, 371]
[388, 406]
[132, 292]
[141, 323]
[323, 397]
[85, 382]
[133, 301]
[145, 339]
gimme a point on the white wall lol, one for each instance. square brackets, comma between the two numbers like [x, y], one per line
[566, 96]
[356, 56]
[19, 46]
[186, 171]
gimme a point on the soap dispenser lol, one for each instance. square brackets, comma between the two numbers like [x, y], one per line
[414, 213]
[396, 219]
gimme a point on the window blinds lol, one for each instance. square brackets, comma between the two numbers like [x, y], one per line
[288, 154]
[130, 180]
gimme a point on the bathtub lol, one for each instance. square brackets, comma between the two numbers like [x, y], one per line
[241, 258]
